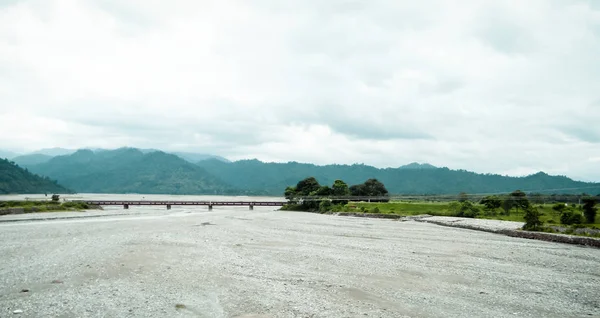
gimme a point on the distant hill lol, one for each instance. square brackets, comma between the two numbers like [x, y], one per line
[196, 157]
[5, 154]
[31, 159]
[14, 179]
[416, 165]
[52, 152]
[410, 179]
[129, 170]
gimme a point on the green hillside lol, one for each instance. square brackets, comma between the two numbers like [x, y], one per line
[14, 179]
[411, 179]
[129, 170]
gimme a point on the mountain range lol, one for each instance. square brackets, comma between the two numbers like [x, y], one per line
[14, 179]
[130, 170]
[44, 155]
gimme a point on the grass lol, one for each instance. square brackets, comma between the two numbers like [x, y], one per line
[403, 208]
[408, 208]
[43, 206]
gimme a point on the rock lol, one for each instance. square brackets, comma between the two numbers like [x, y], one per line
[57, 281]
[18, 311]
[24, 290]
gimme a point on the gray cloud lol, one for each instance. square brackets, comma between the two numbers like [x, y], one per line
[489, 86]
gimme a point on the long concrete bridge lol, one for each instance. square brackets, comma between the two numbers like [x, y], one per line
[169, 204]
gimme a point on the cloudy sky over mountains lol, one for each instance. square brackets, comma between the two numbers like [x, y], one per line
[509, 87]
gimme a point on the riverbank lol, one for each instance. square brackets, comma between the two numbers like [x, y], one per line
[22, 207]
[509, 228]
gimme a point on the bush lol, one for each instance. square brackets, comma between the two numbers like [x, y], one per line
[375, 210]
[589, 211]
[467, 210]
[559, 207]
[325, 206]
[568, 217]
[532, 219]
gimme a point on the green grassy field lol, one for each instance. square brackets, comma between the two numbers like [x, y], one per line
[549, 216]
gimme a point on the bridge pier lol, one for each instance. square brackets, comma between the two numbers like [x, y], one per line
[126, 206]
[168, 207]
[210, 207]
[251, 207]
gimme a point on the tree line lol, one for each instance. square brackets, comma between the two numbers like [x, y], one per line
[309, 195]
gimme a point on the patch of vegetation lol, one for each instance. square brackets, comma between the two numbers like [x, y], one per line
[14, 179]
[44, 206]
[309, 195]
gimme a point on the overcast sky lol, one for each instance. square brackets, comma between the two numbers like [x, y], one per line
[509, 87]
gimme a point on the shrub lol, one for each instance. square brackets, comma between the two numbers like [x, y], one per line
[375, 210]
[559, 207]
[568, 217]
[325, 206]
[55, 197]
[467, 210]
[589, 211]
[532, 219]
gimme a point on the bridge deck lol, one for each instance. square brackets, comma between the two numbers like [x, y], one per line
[204, 203]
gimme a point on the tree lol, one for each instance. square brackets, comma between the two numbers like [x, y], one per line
[559, 207]
[307, 186]
[340, 189]
[358, 190]
[569, 216]
[589, 209]
[532, 218]
[507, 204]
[322, 191]
[375, 188]
[462, 197]
[491, 203]
[290, 193]
[519, 199]
[467, 209]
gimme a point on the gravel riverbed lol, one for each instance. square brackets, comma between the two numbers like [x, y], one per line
[231, 262]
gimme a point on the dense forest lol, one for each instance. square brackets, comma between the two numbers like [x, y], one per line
[129, 170]
[410, 179]
[14, 179]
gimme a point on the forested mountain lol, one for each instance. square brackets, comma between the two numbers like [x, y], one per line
[14, 179]
[129, 170]
[410, 179]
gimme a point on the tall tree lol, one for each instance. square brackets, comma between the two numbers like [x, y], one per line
[340, 189]
[589, 209]
[519, 199]
[307, 186]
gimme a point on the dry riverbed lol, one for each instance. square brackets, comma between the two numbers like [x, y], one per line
[231, 262]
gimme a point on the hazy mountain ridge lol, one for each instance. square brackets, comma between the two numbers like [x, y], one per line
[14, 179]
[129, 170]
[44, 155]
[410, 179]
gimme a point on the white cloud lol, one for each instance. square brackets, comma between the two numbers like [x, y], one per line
[495, 86]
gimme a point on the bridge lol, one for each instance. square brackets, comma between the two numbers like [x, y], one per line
[169, 204]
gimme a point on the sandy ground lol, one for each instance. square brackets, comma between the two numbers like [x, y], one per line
[232, 262]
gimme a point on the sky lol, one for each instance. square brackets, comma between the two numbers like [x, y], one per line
[508, 87]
